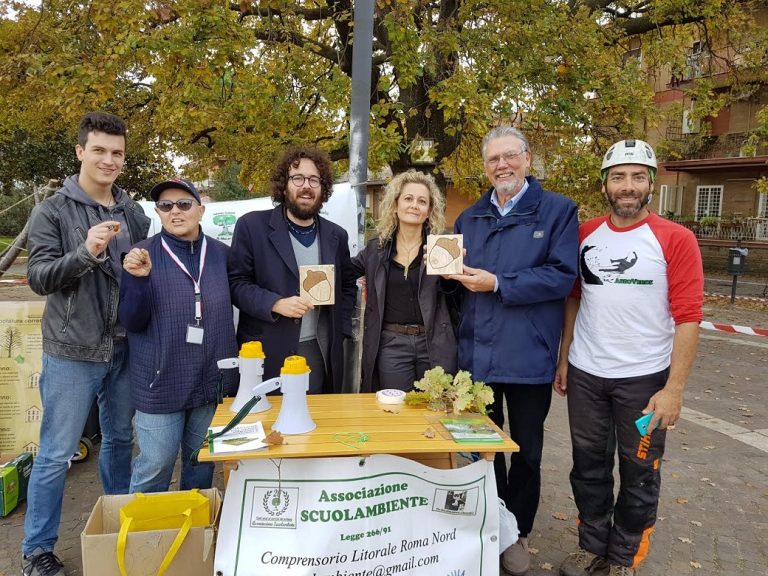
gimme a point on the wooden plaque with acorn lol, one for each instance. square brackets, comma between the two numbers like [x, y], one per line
[317, 283]
[445, 254]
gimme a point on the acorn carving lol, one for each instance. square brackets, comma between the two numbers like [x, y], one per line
[316, 284]
[445, 251]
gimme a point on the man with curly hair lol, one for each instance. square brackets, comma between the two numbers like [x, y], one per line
[267, 249]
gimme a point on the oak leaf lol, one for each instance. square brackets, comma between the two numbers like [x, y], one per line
[274, 438]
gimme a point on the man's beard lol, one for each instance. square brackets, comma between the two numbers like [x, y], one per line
[632, 209]
[303, 213]
[509, 187]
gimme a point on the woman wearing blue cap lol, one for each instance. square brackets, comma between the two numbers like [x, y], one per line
[175, 305]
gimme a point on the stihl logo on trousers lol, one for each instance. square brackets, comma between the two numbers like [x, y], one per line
[642, 448]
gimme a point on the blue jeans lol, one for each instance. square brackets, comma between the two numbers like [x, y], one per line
[67, 390]
[159, 437]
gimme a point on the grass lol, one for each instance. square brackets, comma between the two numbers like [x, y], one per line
[5, 241]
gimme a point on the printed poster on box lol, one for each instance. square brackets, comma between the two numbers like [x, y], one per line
[21, 352]
[378, 516]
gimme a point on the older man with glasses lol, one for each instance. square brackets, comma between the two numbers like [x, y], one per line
[268, 248]
[175, 304]
[521, 263]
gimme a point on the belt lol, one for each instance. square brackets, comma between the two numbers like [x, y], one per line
[409, 329]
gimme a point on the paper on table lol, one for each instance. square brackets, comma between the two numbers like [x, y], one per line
[241, 438]
[471, 430]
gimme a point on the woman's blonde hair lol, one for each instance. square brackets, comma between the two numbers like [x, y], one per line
[387, 224]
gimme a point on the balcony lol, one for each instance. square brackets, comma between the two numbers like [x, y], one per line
[698, 64]
[747, 230]
[698, 147]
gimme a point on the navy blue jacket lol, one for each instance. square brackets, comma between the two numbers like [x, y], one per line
[263, 269]
[168, 374]
[513, 335]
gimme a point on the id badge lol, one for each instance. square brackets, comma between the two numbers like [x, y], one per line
[194, 334]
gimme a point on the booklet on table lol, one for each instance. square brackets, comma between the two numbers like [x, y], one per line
[242, 438]
[471, 430]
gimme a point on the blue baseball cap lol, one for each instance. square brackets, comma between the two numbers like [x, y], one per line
[174, 182]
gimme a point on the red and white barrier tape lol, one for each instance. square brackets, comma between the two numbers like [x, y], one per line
[734, 329]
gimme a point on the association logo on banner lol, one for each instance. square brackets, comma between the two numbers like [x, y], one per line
[461, 502]
[274, 507]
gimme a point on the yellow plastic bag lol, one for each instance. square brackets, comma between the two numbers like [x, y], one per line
[162, 511]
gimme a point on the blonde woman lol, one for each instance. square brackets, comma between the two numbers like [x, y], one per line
[408, 327]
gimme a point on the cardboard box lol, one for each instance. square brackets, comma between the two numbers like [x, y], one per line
[146, 550]
[23, 465]
[9, 490]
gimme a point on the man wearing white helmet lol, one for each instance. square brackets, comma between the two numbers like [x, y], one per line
[629, 340]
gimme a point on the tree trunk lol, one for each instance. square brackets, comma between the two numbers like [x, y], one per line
[9, 255]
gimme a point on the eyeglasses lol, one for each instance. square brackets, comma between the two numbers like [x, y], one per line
[299, 179]
[167, 205]
[508, 157]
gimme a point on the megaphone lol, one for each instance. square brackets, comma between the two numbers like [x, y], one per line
[251, 363]
[294, 417]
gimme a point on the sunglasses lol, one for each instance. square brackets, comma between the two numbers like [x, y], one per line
[167, 205]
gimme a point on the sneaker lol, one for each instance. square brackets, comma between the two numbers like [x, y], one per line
[516, 559]
[617, 570]
[584, 563]
[42, 564]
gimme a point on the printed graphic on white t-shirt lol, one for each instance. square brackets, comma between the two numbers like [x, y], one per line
[625, 324]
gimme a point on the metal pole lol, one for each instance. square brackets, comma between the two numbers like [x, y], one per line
[362, 50]
[361, 100]
[735, 276]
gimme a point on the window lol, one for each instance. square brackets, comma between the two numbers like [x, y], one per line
[708, 201]
[762, 210]
[669, 200]
[663, 199]
[761, 225]
[689, 125]
[697, 61]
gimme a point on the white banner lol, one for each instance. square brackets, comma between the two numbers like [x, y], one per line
[220, 217]
[377, 516]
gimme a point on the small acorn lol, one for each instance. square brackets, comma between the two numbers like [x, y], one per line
[316, 284]
[445, 251]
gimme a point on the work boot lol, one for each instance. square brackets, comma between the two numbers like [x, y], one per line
[516, 559]
[41, 563]
[584, 563]
[617, 570]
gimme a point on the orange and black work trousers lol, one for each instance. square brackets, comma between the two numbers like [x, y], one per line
[602, 414]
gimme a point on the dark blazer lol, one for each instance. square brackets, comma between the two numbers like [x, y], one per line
[262, 269]
[373, 262]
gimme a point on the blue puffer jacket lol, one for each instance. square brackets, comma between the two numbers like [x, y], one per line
[512, 336]
[168, 374]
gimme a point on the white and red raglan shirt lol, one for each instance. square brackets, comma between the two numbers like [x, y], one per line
[635, 285]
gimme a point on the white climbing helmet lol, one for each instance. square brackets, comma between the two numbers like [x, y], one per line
[629, 152]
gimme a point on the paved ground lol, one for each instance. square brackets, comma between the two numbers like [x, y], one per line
[713, 516]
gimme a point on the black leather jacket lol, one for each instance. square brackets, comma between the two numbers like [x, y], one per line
[373, 263]
[82, 290]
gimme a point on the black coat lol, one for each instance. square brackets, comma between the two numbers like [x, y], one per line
[373, 263]
[262, 269]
